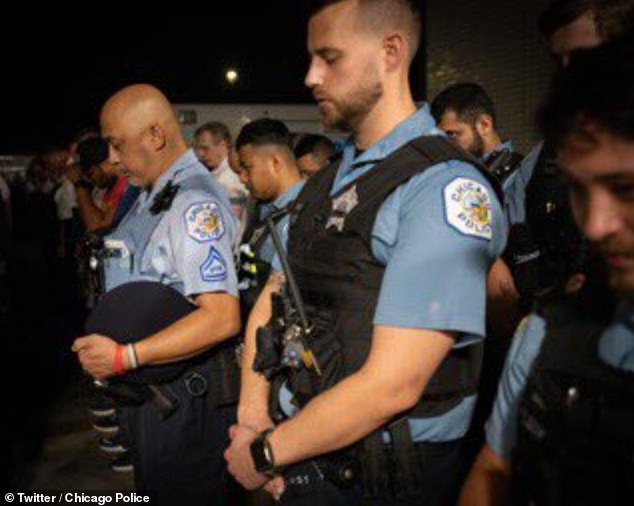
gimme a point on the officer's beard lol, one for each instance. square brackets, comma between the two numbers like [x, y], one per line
[349, 112]
[477, 146]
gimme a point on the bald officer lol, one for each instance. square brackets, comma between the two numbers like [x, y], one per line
[180, 233]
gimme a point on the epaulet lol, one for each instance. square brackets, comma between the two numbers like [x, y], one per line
[163, 200]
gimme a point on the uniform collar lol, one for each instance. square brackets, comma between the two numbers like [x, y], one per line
[505, 145]
[281, 201]
[288, 195]
[418, 124]
[174, 173]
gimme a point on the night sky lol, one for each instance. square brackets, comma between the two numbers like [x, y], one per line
[56, 76]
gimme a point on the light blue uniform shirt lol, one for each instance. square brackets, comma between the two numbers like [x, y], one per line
[191, 247]
[515, 187]
[436, 264]
[267, 251]
[616, 348]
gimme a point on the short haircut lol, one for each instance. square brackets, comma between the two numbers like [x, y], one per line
[265, 132]
[604, 100]
[320, 146]
[380, 15]
[467, 100]
[614, 18]
[219, 131]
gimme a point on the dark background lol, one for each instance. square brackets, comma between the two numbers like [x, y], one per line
[56, 75]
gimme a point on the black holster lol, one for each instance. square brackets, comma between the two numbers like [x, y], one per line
[267, 355]
[224, 376]
[162, 397]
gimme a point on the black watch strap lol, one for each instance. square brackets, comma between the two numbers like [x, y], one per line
[262, 454]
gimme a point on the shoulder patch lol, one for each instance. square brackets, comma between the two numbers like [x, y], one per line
[214, 268]
[203, 222]
[468, 207]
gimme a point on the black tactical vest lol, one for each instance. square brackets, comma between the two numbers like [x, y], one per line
[331, 256]
[253, 270]
[576, 419]
[544, 250]
[503, 163]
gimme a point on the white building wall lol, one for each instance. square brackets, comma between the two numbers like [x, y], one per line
[299, 118]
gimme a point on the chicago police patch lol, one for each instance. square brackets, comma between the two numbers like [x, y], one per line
[203, 222]
[214, 268]
[468, 207]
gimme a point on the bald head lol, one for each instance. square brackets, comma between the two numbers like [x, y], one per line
[140, 106]
[143, 132]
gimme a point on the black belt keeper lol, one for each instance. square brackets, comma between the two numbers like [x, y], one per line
[407, 472]
[374, 464]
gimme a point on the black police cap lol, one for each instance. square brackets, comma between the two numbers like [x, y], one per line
[134, 311]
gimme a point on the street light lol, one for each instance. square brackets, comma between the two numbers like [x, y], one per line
[231, 76]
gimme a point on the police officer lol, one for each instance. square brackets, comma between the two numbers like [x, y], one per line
[179, 233]
[270, 173]
[313, 152]
[560, 430]
[466, 113]
[391, 261]
[535, 194]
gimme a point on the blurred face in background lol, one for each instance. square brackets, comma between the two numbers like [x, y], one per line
[56, 162]
[601, 176]
[464, 134]
[103, 175]
[581, 33]
[210, 152]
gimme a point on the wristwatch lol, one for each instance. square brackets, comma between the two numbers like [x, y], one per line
[262, 455]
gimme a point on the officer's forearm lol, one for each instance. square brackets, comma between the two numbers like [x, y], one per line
[400, 364]
[488, 482]
[255, 389]
[503, 302]
[335, 419]
[216, 319]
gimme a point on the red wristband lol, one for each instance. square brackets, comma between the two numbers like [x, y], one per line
[118, 360]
